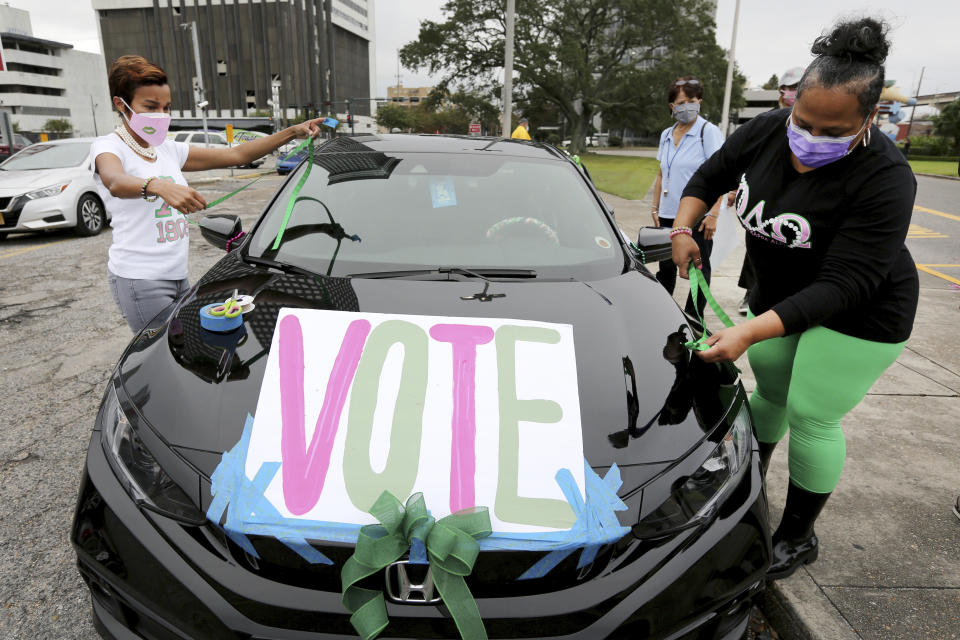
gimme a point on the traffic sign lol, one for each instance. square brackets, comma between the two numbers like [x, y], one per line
[230, 134]
[474, 128]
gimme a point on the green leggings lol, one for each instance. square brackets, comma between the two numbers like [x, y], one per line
[808, 382]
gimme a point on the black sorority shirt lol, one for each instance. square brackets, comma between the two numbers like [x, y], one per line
[827, 245]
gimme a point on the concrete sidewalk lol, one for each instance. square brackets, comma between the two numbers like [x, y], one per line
[889, 565]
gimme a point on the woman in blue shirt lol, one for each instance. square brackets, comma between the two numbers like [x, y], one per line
[683, 148]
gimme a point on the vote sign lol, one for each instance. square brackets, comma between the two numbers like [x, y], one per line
[468, 411]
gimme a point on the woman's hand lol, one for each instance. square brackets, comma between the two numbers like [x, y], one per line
[183, 199]
[728, 344]
[306, 129]
[656, 218]
[709, 225]
[685, 250]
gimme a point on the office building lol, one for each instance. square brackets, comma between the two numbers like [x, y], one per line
[317, 53]
[45, 80]
[408, 97]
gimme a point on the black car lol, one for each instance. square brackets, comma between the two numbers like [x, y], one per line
[518, 231]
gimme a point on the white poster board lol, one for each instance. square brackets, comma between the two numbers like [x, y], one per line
[468, 411]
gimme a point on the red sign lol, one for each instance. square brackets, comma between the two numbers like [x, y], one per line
[474, 128]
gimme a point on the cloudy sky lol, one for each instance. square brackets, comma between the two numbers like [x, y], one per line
[769, 41]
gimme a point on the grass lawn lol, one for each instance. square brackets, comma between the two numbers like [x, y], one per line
[625, 176]
[939, 167]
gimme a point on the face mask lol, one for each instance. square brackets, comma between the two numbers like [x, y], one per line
[816, 151]
[152, 127]
[788, 97]
[687, 112]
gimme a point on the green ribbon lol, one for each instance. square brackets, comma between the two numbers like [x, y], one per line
[699, 284]
[231, 194]
[452, 550]
[296, 190]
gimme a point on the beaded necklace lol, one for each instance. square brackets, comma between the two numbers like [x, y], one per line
[150, 152]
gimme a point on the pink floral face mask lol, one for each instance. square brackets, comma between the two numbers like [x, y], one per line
[152, 127]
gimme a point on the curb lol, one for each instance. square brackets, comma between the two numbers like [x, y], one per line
[937, 175]
[799, 610]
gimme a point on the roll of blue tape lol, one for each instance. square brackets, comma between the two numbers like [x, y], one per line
[220, 324]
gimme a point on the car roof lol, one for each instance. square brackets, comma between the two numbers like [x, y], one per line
[431, 143]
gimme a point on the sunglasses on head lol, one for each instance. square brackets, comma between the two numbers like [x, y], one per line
[693, 82]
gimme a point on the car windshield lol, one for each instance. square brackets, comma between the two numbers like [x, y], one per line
[48, 156]
[368, 211]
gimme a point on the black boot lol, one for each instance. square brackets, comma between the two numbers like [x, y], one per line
[766, 452]
[794, 542]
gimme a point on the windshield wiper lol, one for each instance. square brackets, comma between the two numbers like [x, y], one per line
[481, 273]
[279, 266]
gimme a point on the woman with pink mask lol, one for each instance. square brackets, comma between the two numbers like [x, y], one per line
[826, 206]
[139, 175]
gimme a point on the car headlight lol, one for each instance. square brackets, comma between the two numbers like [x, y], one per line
[697, 499]
[46, 192]
[138, 471]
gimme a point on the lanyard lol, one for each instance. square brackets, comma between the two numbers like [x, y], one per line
[666, 189]
[697, 285]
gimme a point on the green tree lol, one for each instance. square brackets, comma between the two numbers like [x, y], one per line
[772, 83]
[392, 116]
[16, 127]
[477, 104]
[59, 126]
[947, 124]
[575, 53]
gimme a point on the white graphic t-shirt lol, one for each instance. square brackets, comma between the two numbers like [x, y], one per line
[150, 239]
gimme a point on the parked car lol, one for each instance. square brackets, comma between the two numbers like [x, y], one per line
[49, 185]
[287, 163]
[421, 229]
[212, 140]
[19, 142]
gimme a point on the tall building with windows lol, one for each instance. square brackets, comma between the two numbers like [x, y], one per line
[46, 80]
[314, 52]
[408, 97]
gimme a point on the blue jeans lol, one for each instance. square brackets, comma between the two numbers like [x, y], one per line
[141, 300]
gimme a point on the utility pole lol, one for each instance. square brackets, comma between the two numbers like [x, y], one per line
[725, 117]
[198, 85]
[508, 72]
[93, 112]
[913, 110]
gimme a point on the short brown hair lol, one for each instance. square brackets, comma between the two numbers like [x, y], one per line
[129, 73]
[691, 90]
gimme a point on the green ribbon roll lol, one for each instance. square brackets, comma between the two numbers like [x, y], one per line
[452, 549]
[699, 284]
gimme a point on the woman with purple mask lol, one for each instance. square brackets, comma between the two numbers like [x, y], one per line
[139, 178]
[826, 206]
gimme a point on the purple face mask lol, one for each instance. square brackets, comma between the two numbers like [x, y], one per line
[816, 151]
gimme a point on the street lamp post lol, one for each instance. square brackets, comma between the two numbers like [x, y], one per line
[508, 71]
[725, 117]
[198, 87]
[93, 112]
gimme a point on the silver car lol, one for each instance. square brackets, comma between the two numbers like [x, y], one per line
[49, 185]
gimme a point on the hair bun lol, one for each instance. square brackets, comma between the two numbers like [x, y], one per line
[863, 40]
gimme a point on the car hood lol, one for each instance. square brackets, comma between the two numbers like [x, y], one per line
[17, 182]
[644, 400]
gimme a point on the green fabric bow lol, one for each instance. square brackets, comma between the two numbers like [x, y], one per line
[452, 549]
[698, 285]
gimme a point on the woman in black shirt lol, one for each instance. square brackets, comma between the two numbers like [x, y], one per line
[826, 206]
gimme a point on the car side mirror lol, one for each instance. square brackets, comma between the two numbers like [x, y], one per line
[219, 229]
[654, 244]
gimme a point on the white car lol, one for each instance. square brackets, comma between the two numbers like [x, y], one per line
[213, 139]
[49, 185]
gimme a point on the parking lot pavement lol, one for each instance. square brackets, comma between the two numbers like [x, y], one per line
[889, 565]
[60, 335]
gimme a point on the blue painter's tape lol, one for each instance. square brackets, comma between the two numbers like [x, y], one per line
[220, 324]
[330, 122]
[240, 497]
[443, 193]
[596, 525]
[249, 512]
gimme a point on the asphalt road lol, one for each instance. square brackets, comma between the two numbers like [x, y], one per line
[60, 334]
